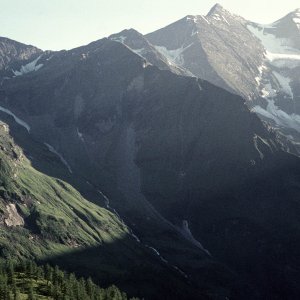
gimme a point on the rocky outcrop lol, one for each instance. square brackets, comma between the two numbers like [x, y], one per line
[13, 218]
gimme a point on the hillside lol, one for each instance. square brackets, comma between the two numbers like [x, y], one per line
[45, 219]
[29, 281]
[42, 215]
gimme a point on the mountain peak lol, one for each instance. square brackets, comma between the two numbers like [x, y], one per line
[125, 34]
[293, 17]
[295, 13]
[217, 8]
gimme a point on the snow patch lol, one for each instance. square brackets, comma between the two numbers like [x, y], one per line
[296, 18]
[120, 39]
[260, 71]
[52, 149]
[186, 232]
[80, 135]
[192, 18]
[280, 56]
[174, 56]
[225, 20]
[146, 64]
[205, 19]
[216, 17]
[155, 251]
[199, 86]
[267, 91]
[273, 44]
[49, 58]
[281, 118]
[261, 155]
[284, 83]
[137, 84]
[139, 52]
[255, 139]
[17, 120]
[194, 32]
[279, 53]
[30, 67]
[107, 204]
[180, 271]
[285, 63]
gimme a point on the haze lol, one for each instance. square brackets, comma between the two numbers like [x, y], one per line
[66, 24]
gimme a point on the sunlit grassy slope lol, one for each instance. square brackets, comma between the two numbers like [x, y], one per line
[50, 216]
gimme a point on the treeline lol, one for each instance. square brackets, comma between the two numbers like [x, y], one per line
[29, 281]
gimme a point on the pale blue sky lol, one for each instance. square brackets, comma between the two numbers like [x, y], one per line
[64, 24]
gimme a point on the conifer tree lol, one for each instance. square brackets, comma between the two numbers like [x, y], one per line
[31, 295]
[17, 295]
[10, 271]
[90, 288]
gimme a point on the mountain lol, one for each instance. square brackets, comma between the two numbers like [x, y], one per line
[12, 51]
[43, 218]
[72, 128]
[136, 42]
[258, 62]
[179, 190]
[216, 47]
[279, 79]
[196, 176]
[13, 54]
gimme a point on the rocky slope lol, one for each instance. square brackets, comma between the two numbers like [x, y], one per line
[216, 47]
[258, 62]
[12, 51]
[279, 79]
[136, 42]
[12, 55]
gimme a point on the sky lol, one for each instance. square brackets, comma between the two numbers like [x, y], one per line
[65, 24]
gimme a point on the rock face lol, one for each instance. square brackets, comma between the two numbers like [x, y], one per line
[11, 50]
[141, 46]
[279, 79]
[258, 62]
[216, 47]
[12, 53]
[13, 218]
